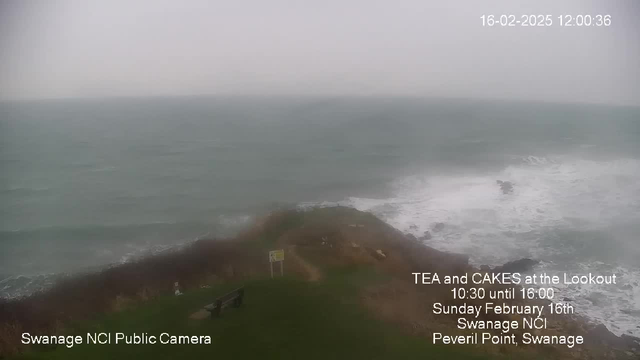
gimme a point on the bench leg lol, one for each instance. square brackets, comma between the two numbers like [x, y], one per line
[217, 310]
[239, 299]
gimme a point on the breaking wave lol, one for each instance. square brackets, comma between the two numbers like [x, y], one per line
[574, 215]
[94, 247]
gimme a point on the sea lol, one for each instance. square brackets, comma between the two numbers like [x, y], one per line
[86, 184]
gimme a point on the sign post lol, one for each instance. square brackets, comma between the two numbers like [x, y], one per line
[276, 256]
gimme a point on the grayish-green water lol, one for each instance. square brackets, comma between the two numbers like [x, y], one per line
[87, 183]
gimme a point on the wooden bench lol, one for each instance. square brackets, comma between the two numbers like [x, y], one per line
[234, 298]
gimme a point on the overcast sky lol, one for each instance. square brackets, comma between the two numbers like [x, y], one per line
[86, 48]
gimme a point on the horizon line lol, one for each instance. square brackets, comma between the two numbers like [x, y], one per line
[312, 96]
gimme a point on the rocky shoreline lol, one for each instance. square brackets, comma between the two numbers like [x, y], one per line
[330, 237]
[623, 346]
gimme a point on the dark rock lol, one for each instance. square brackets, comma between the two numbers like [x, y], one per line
[413, 227]
[631, 312]
[485, 268]
[439, 226]
[426, 236]
[411, 237]
[518, 266]
[505, 186]
[461, 259]
[567, 299]
[630, 341]
[600, 334]
[597, 298]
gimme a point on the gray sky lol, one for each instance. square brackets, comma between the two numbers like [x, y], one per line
[87, 48]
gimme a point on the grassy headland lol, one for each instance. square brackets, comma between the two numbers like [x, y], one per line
[340, 298]
[285, 318]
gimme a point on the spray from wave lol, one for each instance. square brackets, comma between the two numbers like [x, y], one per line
[97, 248]
[574, 215]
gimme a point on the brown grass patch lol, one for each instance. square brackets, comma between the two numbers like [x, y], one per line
[10, 339]
[116, 288]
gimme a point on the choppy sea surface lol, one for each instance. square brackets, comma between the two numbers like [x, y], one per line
[88, 183]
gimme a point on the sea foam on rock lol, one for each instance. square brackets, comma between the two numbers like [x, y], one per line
[505, 186]
[517, 266]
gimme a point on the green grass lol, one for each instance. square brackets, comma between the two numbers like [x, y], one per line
[284, 318]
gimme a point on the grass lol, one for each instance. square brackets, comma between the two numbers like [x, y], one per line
[83, 296]
[283, 318]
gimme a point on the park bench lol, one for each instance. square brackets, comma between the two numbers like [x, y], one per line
[234, 298]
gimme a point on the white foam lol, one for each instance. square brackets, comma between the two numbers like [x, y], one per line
[549, 193]
[235, 221]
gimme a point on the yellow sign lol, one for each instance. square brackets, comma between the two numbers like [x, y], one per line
[276, 255]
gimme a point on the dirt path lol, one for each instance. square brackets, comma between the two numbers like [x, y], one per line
[313, 273]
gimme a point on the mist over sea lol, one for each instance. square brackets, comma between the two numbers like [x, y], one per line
[87, 183]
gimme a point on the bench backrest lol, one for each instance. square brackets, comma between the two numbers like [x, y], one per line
[231, 295]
